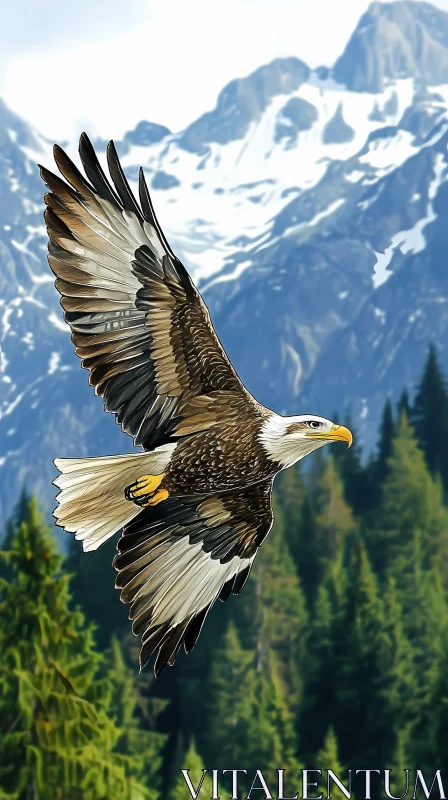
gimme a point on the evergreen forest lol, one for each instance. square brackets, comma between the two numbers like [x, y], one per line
[334, 656]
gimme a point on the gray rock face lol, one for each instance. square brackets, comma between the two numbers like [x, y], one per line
[391, 105]
[376, 115]
[146, 133]
[296, 116]
[243, 101]
[336, 130]
[420, 118]
[405, 39]
[163, 180]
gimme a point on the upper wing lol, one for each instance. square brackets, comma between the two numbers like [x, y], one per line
[138, 323]
[175, 559]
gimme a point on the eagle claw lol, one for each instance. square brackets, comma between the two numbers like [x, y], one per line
[145, 491]
[127, 492]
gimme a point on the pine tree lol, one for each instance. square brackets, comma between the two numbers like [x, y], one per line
[399, 687]
[432, 738]
[377, 468]
[264, 649]
[328, 758]
[316, 467]
[411, 525]
[326, 523]
[58, 736]
[316, 711]
[430, 416]
[272, 616]
[408, 544]
[195, 766]
[425, 624]
[354, 476]
[364, 735]
[232, 703]
[304, 552]
[92, 587]
[135, 714]
[250, 720]
[387, 430]
[404, 405]
[272, 735]
[301, 537]
[333, 529]
[399, 684]
[290, 494]
[333, 521]
[19, 514]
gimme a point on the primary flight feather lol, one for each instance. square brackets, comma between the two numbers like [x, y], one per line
[195, 505]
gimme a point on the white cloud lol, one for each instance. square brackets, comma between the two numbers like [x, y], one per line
[163, 61]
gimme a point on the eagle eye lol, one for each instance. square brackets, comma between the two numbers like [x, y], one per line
[314, 424]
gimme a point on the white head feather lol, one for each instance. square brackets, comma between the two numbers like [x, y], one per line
[287, 444]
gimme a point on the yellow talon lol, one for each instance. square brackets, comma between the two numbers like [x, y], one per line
[146, 484]
[144, 490]
[156, 498]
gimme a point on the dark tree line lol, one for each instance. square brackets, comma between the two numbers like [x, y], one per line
[335, 654]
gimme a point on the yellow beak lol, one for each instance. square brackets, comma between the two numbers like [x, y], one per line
[338, 433]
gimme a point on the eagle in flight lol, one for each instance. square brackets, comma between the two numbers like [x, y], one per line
[194, 505]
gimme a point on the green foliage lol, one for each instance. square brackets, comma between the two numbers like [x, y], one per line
[195, 766]
[328, 758]
[430, 416]
[233, 697]
[325, 525]
[58, 733]
[132, 706]
[335, 654]
[250, 712]
[404, 405]
[386, 435]
[102, 606]
[411, 523]
[316, 712]
[290, 491]
[272, 616]
[354, 477]
[358, 675]
[333, 520]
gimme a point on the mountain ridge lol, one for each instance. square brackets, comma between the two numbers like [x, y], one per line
[314, 229]
[405, 39]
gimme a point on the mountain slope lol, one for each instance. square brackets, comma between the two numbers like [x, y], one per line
[407, 39]
[311, 216]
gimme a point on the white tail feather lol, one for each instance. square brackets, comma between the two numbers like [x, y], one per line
[91, 503]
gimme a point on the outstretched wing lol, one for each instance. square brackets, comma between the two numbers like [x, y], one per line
[175, 559]
[138, 323]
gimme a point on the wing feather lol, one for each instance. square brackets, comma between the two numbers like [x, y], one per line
[137, 321]
[176, 559]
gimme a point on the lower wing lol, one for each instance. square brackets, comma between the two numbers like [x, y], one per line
[176, 559]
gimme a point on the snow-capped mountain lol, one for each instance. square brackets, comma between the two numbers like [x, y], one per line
[395, 40]
[309, 206]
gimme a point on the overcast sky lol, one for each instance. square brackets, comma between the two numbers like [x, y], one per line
[102, 65]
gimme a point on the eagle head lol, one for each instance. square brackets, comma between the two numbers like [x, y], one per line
[288, 439]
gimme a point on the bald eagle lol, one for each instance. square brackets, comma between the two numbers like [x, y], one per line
[195, 505]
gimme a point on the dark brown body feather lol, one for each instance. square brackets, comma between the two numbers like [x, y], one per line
[224, 452]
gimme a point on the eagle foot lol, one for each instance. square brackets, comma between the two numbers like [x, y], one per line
[145, 491]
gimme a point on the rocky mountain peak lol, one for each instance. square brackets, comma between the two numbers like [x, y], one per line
[242, 101]
[403, 39]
